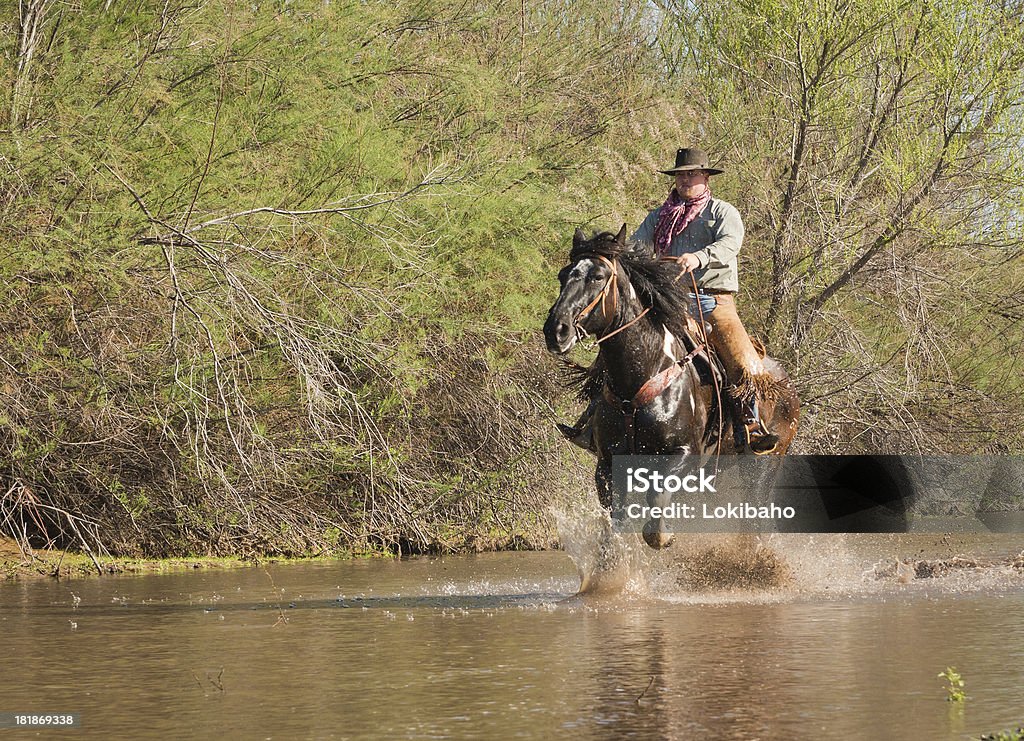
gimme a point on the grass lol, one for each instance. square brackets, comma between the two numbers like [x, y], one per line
[60, 564]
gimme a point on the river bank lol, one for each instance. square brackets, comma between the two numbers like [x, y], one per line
[40, 563]
[54, 563]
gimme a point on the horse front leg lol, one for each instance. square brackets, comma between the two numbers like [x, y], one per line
[603, 480]
[655, 531]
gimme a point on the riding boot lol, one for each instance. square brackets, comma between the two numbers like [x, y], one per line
[759, 439]
[581, 433]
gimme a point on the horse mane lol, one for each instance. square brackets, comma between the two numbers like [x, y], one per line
[657, 283]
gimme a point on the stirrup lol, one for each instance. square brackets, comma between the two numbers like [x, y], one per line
[759, 439]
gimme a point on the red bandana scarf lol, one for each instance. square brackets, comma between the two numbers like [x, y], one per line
[674, 216]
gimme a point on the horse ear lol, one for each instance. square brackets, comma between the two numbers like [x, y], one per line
[578, 238]
[620, 238]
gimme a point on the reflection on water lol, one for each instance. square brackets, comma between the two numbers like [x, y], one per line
[499, 645]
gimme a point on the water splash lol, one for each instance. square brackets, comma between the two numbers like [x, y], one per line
[609, 563]
[784, 567]
[799, 566]
[732, 562]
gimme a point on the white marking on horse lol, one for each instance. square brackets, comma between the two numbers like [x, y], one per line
[670, 346]
[662, 409]
[581, 269]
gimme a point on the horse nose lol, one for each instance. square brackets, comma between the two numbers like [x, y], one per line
[557, 333]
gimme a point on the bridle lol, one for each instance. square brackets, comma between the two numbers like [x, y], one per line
[611, 286]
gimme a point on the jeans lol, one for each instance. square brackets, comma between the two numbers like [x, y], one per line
[707, 305]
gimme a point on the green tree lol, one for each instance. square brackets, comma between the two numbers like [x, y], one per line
[882, 172]
[273, 271]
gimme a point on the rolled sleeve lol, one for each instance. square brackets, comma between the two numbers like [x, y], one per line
[728, 236]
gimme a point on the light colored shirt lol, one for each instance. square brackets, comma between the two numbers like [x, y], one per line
[714, 236]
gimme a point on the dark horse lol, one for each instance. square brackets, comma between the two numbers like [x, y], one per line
[655, 383]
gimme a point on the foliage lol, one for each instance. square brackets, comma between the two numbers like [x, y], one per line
[954, 684]
[273, 273]
[880, 156]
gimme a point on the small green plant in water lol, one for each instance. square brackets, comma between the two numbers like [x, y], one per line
[954, 684]
[1017, 735]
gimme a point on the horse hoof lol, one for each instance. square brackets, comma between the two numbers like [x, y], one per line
[656, 539]
[580, 437]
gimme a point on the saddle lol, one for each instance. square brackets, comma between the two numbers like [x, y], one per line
[591, 382]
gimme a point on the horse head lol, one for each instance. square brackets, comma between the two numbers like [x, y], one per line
[589, 301]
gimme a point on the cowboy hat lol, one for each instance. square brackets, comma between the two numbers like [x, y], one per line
[691, 159]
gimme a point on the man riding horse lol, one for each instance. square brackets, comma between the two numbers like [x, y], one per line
[704, 235]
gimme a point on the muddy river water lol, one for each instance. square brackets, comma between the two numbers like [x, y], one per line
[500, 645]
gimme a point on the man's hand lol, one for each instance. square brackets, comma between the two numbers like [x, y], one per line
[688, 262]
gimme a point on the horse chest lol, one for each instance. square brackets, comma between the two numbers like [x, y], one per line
[670, 406]
[666, 424]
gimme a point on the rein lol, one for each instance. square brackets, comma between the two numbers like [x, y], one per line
[714, 379]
